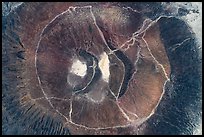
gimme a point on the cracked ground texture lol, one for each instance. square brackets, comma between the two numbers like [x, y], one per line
[150, 62]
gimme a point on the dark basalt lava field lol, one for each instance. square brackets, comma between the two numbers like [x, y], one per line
[100, 68]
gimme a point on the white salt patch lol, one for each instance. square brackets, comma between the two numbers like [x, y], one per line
[104, 66]
[79, 68]
[195, 20]
[198, 129]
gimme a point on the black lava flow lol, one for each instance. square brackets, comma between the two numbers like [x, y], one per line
[128, 68]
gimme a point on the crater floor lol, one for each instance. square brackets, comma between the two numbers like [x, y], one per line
[99, 68]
